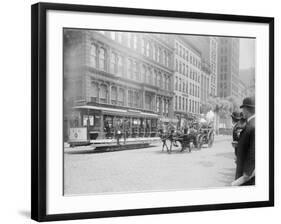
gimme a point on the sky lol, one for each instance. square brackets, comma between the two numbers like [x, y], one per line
[247, 53]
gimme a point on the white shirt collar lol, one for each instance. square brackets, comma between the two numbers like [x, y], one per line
[250, 118]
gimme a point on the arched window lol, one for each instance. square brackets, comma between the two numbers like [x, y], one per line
[147, 49]
[143, 46]
[158, 105]
[93, 56]
[130, 98]
[136, 99]
[94, 91]
[113, 62]
[129, 68]
[135, 71]
[113, 95]
[121, 97]
[169, 84]
[165, 58]
[135, 41]
[168, 60]
[159, 80]
[120, 66]
[153, 52]
[158, 54]
[103, 93]
[102, 59]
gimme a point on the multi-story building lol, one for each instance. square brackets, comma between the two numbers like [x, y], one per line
[209, 53]
[205, 84]
[228, 68]
[114, 77]
[187, 62]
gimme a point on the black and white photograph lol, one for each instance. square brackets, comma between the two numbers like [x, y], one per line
[157, 112]
[144, 111]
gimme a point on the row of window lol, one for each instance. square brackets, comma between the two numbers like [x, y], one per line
[143, 44]
[122, 97]
[183, 104]
[182, 68]
[131, 69]
[100, 93]
[162, 106]
[183, 53]
[182, 86]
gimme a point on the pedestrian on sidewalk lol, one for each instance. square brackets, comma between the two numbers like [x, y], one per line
[239, 124]
[245, 169]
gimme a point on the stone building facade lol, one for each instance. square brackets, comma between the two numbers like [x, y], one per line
[113, 76]
[187, 61]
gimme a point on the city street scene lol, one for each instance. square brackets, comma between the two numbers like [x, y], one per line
[157, 112]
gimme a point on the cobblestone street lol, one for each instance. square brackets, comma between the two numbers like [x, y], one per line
[148, 169]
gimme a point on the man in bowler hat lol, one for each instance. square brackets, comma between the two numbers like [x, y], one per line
[245, 170]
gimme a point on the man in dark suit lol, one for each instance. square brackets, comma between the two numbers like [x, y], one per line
[245, 170]
[239, 124]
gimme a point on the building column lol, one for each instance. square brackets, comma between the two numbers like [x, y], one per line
[126, 97]
[117, 94]
[161, 106]
[107, 59]
[170, 108]
[143, 99]
[154, 102]
[109, 93]
[98, 96]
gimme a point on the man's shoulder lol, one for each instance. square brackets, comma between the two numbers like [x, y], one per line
[251, 123]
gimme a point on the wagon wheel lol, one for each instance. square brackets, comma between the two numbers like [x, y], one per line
[211, 140]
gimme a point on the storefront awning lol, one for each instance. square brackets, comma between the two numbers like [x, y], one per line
[100, 108]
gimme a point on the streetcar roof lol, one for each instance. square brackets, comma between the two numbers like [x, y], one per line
[121, 111]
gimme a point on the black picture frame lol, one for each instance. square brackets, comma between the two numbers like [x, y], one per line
[39, 108]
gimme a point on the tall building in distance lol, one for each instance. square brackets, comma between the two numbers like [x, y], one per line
[213, 61]
[228, 82]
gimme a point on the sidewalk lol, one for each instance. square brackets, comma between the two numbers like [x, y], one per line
[219, 138]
